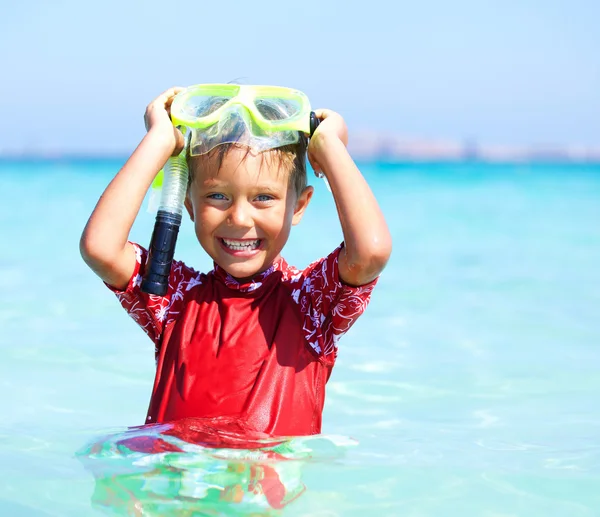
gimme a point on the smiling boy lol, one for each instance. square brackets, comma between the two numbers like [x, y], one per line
[253, 342]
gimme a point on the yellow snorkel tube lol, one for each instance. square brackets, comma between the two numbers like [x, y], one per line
[260, 117]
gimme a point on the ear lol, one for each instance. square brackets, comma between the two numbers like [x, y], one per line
[188, 205]
[301, 204]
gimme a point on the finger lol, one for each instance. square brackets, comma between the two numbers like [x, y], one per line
[171, 92]
[170, 99]
[179, 141]
[322, 114]
[314, 165]
[168, 105]
[166, 98]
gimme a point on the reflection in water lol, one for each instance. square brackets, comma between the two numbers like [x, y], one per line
[202, 467]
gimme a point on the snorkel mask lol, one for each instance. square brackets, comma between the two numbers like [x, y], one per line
[259, 117]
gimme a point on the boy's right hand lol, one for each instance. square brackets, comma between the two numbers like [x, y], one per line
[158, 120]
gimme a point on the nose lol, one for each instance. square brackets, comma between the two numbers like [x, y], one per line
[239, 214]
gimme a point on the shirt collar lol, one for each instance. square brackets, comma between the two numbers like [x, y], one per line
[251, 284]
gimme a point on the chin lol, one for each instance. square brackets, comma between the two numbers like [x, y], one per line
[243, 268]
[241, 271]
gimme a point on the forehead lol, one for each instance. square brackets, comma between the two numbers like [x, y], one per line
[241, 166]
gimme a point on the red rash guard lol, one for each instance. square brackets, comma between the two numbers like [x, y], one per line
[257, 353]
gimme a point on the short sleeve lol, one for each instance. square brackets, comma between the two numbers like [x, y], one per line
[330, 307]
[153, 313]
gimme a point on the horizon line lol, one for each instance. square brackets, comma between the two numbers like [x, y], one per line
[382, 158]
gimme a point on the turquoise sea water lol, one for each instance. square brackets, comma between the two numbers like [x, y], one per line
[469, 388]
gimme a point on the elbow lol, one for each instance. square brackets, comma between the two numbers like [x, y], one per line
[86, 248]
[93, 251]
[366, 264]
[378, 256]
[89, 250]
[377, 252]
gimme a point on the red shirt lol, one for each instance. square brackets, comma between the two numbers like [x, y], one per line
[258, 353]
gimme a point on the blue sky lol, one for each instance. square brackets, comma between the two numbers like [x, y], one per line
[77, 75]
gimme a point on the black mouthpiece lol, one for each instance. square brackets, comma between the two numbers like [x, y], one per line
[162, 249]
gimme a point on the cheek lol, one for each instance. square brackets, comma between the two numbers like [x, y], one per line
[278, 219]
[289, 210]
[209, 213]
[207, 219]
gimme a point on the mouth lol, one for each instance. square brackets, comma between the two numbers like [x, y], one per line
[240, 245]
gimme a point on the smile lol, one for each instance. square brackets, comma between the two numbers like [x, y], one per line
[241, 245]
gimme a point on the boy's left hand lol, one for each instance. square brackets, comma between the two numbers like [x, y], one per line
[331, 128]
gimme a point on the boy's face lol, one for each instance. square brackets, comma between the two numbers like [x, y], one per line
[243, 212]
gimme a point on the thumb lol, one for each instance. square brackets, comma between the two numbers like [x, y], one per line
[179, 141]
[314, 164]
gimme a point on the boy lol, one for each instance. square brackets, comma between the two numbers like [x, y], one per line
[251, 344]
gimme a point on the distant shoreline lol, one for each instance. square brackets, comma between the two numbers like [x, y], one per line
[383, 148]
[385, 160]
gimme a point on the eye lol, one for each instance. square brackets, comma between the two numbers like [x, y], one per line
[217, 196]
[264, 198]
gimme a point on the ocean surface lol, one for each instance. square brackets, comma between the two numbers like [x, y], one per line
[470, 387]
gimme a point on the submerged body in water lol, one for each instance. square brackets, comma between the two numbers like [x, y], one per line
[202, 467]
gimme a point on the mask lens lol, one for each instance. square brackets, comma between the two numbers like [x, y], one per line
[277, 109]
[200, 106]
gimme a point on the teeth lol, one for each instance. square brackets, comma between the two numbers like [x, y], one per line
[241, 245]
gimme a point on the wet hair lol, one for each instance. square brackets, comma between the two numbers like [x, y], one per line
[290, 158]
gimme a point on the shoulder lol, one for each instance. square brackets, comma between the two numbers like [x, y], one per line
[185, 277]
[321, 283]
[182, 277]
[182, 280]
[329, 307]
[293, 275]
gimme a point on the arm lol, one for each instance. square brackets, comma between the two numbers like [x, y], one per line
[103, 244]
[367, 240]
